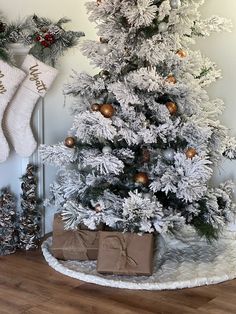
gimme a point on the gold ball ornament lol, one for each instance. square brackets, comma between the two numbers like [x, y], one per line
[171, 79]
[142, 178]
[181, 53]
[95, 107]
[172, 107]
[191, 152]
[107, 110]
[70, 142]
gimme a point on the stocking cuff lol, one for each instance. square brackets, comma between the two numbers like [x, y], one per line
[40, 75]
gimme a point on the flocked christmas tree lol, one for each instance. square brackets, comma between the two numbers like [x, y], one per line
[146, 136]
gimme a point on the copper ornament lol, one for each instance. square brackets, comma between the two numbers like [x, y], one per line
[171, 79]
[107, 110]
[172, 107]
[181, 53]
[191, 152]
[142, 178]
[70, 142]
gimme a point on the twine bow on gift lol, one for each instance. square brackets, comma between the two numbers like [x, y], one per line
[78, 242]
[120, 244]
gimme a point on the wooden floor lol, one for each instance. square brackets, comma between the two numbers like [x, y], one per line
[28, 285]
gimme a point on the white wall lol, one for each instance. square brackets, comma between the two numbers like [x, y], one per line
[220, 47]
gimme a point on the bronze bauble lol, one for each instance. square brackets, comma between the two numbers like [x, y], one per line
[107, 110]
[191, 152]
[172, 107]
[70, 142]
[171, 79]
[142, 178]
[181, 53]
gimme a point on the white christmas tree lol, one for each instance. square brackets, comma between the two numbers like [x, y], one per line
[146, 136]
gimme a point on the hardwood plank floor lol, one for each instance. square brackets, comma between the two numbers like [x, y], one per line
[29, 286]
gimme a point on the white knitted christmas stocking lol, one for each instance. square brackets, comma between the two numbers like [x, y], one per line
[10, 79]
[18, 115]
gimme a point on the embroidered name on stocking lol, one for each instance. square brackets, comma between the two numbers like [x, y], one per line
[2, 88]
[35, 76]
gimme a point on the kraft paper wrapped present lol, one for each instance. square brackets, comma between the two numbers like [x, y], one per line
[73, 245]
[125, 253]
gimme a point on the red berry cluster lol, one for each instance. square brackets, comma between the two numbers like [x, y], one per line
[46, 39]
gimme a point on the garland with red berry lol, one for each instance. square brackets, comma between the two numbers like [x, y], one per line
[48, 40]
[51, 39]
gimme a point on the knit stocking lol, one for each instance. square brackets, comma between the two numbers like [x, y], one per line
[39, 79]
[10, 79]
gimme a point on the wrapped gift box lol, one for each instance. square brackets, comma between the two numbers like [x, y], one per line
[125, 253]
[73, 245]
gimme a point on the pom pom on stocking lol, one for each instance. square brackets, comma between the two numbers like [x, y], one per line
[10, 79]
[39, 79]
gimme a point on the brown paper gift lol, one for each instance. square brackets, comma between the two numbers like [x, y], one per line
[73, 245]
[125, 253]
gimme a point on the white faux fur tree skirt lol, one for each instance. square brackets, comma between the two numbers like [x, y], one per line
[179, 263]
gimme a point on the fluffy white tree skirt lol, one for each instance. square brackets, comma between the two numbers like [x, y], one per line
[179, 262]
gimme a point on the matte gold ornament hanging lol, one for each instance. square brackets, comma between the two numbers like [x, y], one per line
[107, 110]
[171, 79]
[181, 53]
[191, 152]
[172, 107]
[142, 178]
[70, 142]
